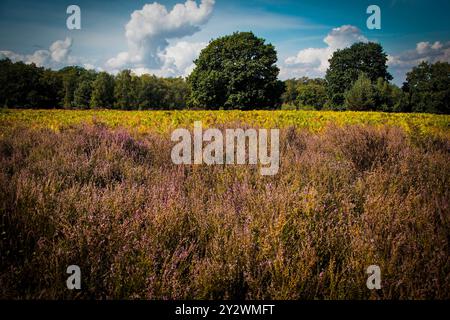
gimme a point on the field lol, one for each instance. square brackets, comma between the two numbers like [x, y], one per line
[164, 121]
[98, 189]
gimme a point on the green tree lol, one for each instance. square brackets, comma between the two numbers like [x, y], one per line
[149, 92]
[347, 64]
[26, 86]
[312, 94]
[125, 91]
[52, 85]
[290, 93]
[102, 91]
[82, 95]
[388, 97]
[70, 77]
[236, 71]
[175, 93]
[428, 88]
[360, 97]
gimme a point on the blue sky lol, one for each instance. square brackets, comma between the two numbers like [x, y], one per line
[164, 41]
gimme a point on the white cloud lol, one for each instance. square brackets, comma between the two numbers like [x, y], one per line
[58, 55]
[177, 60]
[424, 51]
[180, 57]
[148, 33]
[14, 57]
[313, 62]
[400, 64]
[60, 50]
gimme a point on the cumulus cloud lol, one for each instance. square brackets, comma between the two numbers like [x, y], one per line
[400, 64]
[313, 62]
[60, 50]
[56, 56]
[424, 51]
[177, 60]
[148, 33]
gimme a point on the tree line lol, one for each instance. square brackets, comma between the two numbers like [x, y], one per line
[28, 86]
[357, 79]
[236, 71]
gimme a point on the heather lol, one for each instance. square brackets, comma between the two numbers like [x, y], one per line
[109, 199]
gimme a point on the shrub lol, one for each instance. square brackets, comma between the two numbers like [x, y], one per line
[112, 202]
[360, 97]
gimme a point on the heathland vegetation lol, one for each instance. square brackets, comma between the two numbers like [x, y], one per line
[139, 226]
[98, 188]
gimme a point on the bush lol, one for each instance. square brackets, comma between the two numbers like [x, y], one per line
[360, 97]
[112, 202]
[311, 95]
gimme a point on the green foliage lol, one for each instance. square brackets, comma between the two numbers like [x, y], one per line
[388, 97]
[25, 86]
[175, 93]
[51, 90]
[347, 64]
[360, 97]
[70, 78]
[83, 92]
[290, 93]
[428, 88]
[82, 95]
[305, 93]
[311, 94]
[28, 86]
[102, 91]
[125, 90]
[159, 93]
[237, 71]
[150, 92]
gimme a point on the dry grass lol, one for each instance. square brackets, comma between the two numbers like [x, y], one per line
[112, 202]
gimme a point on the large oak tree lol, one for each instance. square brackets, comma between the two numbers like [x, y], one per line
[347, 64]
[237, 71]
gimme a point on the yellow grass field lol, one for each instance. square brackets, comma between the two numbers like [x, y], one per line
[163, 121]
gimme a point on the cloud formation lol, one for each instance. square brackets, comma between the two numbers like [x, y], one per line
[424, 51]
[177, 60]
[313, 62]
[148, 33]
[57, 56]
[400, 64]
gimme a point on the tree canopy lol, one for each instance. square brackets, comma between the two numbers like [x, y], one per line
[428, 88]
[347, 64]
[236, 71]
[28, 86]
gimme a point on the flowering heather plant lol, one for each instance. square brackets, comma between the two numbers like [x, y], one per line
[112, 202]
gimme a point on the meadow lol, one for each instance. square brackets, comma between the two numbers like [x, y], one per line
[98, 189]
[164, 121]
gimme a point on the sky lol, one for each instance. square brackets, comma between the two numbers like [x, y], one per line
[164, 37]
